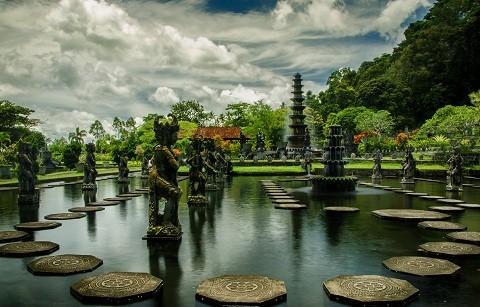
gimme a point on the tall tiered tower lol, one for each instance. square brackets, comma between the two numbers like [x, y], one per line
[297, 126]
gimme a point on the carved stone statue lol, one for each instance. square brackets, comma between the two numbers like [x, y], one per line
[243, 141]
[377, 165]
[306, 141]
[455, 171]
[123, 169]
[307, 162]
[210, 162]
[196, 176]
[408, 167]
[260, 146]
[89, 170]
[27, 175]
[145, 166]
[163, 183]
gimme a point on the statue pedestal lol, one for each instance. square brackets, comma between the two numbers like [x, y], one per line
[407, 181]
[197, 200]
[123, 180]
[33, 198]
[164, 233]
[89, 186]
[211, 187]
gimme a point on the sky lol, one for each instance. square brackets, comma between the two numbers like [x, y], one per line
[75, 61]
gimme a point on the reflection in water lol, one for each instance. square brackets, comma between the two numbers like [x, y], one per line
[28, 213]
[407, 202]
[197, 221]
[334, 224]
[72, 191]
[169, 270]
[453, 194]
[123, 187]
[215, 200]
[90, 196]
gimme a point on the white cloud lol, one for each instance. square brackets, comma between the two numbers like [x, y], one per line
[164, 96]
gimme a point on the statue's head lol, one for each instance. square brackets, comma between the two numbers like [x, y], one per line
[90, 147]
[166, 129]
[24, 147]
[197, 143]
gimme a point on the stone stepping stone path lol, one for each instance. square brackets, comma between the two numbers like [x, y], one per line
[470, 237]
[235, 290]
[441, 225]
[449, 249]
[447, 209]
[8, 188]
[116, 288]
[421, 266]
[468, 206]
[450, 201]
[368, 290]
[410, 214]
[142, 189]
[417, 194]
[26, 249]
[128, 195]
[65, 216]
[34, 226]
[468, 184]
[379, 186]
[64, 264]
[392, 189]
[289, 206]
[56, 184]
[338, 209]
[13, 236]
[403, 191]
[115, 199]
[103, 203]
[432, 197]
[138, 192]
[86, 209]
[278, 194]
[285, 201]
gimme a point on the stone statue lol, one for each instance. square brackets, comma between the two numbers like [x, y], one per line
[307, 162]
[27, 175]
[220, 163]
[377, 165]
[123, 169]
[211, 162]
[455, 171]
[260, 146]
[89, 170]
[145, 161]
[163, 183]
[408, 167]
[196, 176]
[306, 141]
[243, 141]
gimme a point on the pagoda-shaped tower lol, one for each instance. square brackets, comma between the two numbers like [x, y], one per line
[297, 125]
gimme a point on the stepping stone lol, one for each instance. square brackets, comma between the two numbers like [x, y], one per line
[471, 237]
[128, 195]
[64, 264]
[421, 266]
[417, 194]
[116, 288]
[236, 290]
[450, 201]
[13, 236]
[103, 203]
[432, 197]
[403, 191]
[440, 225]
[379, 186]
[467, 184]
[138, 192]
[278, 194]
[143, 189]
[449, 249]
[26, 249]
[34, 226]
[392, 189]
[115, 199]
[468, 206]
[281, 197]
[447, 209]
[410, 214]
[291, 206]
[284, 201]
[86, 209]
[369, 290]
[340, 209]
[65, 216]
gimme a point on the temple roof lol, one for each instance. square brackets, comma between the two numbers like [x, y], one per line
[226, 133]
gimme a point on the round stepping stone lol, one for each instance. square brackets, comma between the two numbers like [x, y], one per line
[417, 194]
[103, 203]
[30, 248]
[441, 225]
[115, 199]
[392, 189]
[64, 264]
[291, 206]
[138, 192]
[12, 236]
[34, 226]
[340, 209]
[128, 195]
[65, 216]
[368, 290]
[284, 201]
[447, 209]
[449, 249]
[278, 194]
[468, 206]
[421, 266]
[379, 186]
[86, 209]
[410, 214]
[471, 237]
[450, 201]
[403, 191]
[116, 288]
[281, 197]
[432, 197]
[241, 290]
[143, 189]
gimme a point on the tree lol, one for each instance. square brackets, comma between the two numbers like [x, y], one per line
[118, 126]
[192, 111]
[263, 118]
[236, 114]
[380, 123]
[77, 136]
[14, 117]
[71, 154]
[97, 130]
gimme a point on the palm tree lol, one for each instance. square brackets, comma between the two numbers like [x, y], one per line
[77, 136]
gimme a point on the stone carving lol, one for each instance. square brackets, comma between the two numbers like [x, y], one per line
[455, 171]
[441, 225]
[410, 214]
[29, 248]
[449, 249]
[197, 178]
[471, 237]
[123, 169]
[210, 162]
[27, 175]
[307, 161]
[260, 146]
[421, 266]
[306, 141]
[408, 167]
[163, 183]
[64, 264]
[65, 216]
[33, 226]
[89, 170]
[13, 235]
[377, 165]
[243, 141]
[145, 166]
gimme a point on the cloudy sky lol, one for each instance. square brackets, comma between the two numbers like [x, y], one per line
[74, 61]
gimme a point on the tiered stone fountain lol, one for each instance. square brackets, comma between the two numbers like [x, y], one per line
[333, 178]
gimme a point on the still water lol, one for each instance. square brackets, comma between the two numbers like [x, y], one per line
[239, 232]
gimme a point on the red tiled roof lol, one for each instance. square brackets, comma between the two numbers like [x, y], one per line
[226, 133]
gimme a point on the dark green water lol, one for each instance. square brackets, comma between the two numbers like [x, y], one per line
[240, 233]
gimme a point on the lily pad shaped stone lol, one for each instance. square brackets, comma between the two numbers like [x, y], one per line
[410, 214]
[441, 225]
[450, 249]
[471, 237]
[64, 264]
[421, 266]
